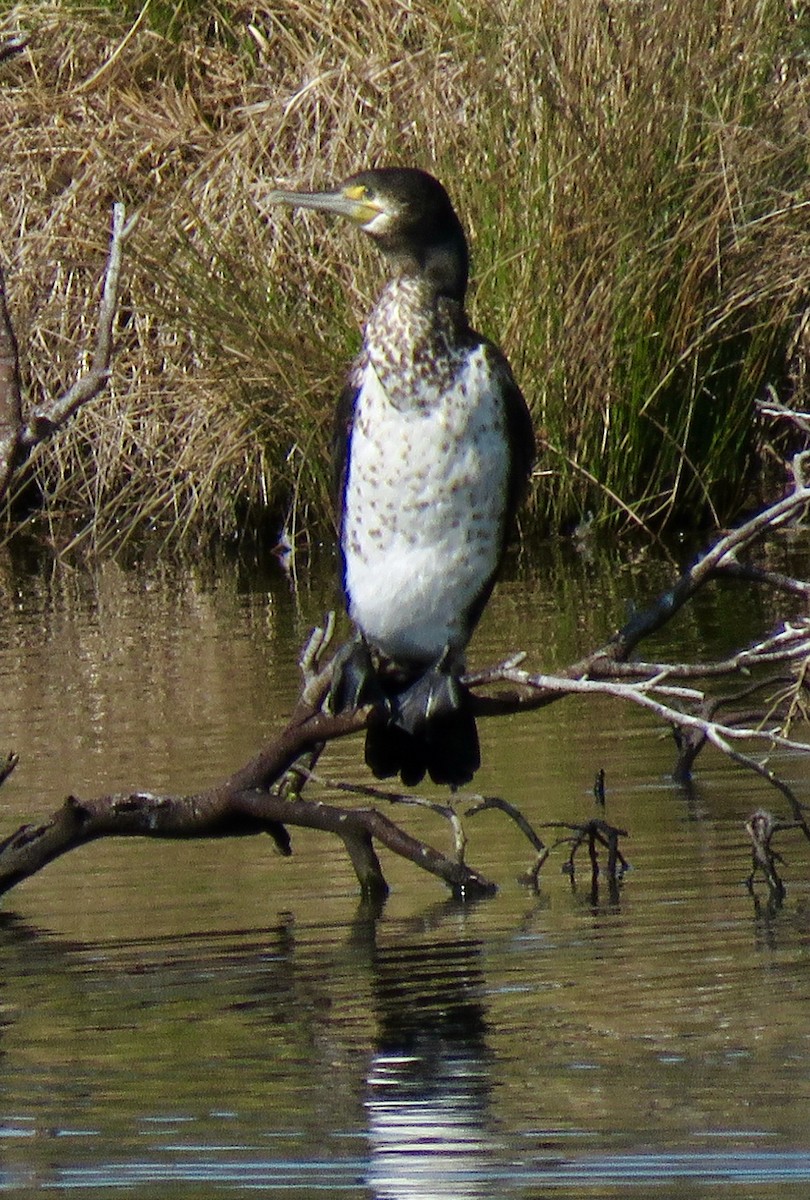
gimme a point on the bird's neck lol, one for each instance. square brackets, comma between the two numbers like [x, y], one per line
[414, 340]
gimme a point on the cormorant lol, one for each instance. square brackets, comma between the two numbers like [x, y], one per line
[434, 446]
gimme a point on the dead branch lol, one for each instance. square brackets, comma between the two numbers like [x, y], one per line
[245, 803]
[20, 434]
[10, 394]
[717, 560]
[257, 799]
[304, 773]
[696, 727]
[654, 685]
[772, 579]
[761, 827]
[595, 832]
[788, 644]
[482, 803]
[610, 662]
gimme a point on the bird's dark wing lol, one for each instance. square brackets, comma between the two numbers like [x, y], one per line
[341, 443]
[519, 431]
[520, 436]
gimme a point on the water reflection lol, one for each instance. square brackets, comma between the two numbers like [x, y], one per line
[429, 1080]
[400, 1059]
[232, 1058]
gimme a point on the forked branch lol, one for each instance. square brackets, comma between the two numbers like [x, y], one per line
[21, 432]
[248, 802]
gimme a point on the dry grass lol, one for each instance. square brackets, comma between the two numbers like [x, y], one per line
[634, 178]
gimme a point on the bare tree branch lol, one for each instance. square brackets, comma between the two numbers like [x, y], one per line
[772, 579]
[18, 434]
[610, 662]
[47, 418]
[393, 797]
[484, 803]
[761, 827]
[243, 804]
[10, 394]
[265, 795]
[691, 712]
[716, 560]
[787, 645]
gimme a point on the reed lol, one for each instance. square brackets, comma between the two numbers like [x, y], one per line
[633, 178]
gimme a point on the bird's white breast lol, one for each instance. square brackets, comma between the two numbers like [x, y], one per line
[424, 509]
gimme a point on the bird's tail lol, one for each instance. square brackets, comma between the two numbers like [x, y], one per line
[443, 746]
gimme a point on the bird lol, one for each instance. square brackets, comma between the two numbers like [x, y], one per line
[434, 448]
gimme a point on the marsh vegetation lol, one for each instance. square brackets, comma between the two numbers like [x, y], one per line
[633, 179]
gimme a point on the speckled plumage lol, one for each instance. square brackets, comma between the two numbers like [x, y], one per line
[427, 482]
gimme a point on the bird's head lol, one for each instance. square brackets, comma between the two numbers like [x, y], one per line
[408, 214]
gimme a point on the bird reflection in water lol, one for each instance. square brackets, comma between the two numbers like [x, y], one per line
[429, 1084]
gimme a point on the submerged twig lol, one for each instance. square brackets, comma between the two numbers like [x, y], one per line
[761, 827]
[595, 832]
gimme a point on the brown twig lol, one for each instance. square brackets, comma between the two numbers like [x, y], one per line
[248, 802]
[446, 811]
[598, 833]
[10, 394]
[595, 832]
[483, 803]
[243, 804]
[20, 434]
[761, 827]
[47, 418]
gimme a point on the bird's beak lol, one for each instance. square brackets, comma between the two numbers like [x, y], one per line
[350, 202]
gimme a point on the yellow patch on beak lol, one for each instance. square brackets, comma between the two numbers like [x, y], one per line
[364, 207]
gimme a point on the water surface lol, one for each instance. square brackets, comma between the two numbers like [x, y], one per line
[202, 1019]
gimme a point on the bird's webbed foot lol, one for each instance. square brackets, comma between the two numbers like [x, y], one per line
[354, 679]
[436, 694]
